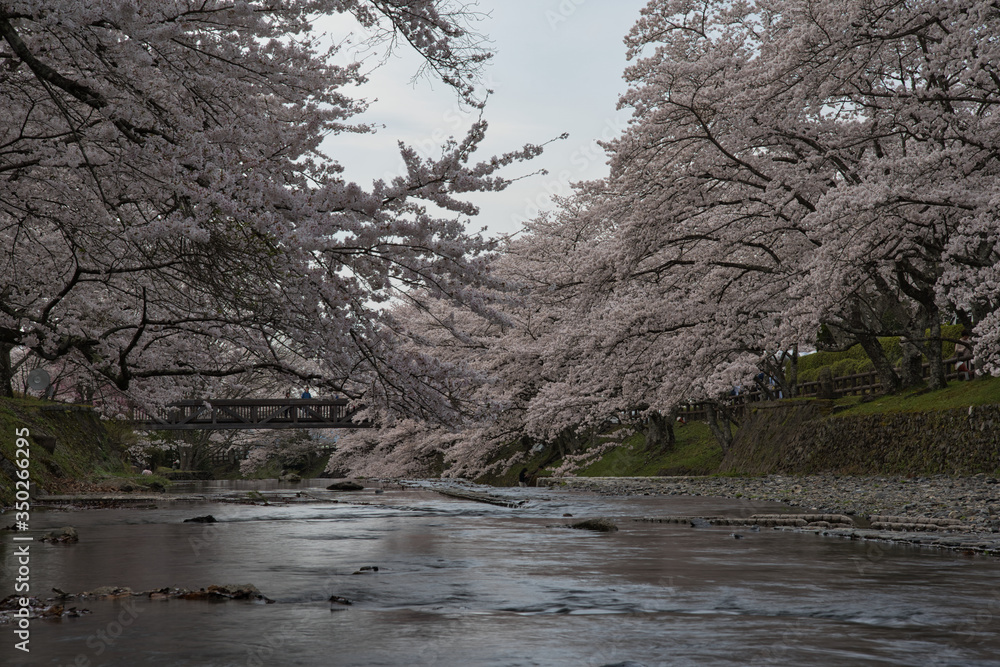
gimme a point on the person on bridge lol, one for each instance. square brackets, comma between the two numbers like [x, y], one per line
[306, 393]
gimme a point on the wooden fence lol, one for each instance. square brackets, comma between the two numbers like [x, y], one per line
[857, 384]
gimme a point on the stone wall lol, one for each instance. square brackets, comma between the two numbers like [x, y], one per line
[807, 437]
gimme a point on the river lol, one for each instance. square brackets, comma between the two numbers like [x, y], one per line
[466, 584]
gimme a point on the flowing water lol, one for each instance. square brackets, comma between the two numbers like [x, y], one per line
[465, 584]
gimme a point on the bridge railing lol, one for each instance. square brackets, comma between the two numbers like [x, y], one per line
[261, 413]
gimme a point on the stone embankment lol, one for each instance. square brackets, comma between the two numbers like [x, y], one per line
[811, 438]
[941, 511]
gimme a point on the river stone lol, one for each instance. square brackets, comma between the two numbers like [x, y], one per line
[893, 507]
[108, 592]
[345, 486]
[241, 592]
[64, 534]
[227, 592]
[208, 518]
[599, 525]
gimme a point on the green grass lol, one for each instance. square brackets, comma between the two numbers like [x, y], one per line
[509, 476]
[270, 470]
[86, 448]
[981, 391]
[855, 360]
[696, 453]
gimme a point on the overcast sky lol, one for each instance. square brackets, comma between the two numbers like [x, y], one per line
[557, 68]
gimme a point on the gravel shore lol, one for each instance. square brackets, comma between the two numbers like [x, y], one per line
[973, 501]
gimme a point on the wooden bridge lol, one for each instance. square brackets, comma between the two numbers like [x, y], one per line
[264, 413]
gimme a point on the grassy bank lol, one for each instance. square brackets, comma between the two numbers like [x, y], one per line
[697, 453]
[983, 390]
[621, 452]
[84, 449]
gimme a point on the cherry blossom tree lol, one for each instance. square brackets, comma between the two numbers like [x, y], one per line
[169, 221]
[834, 158]
[791, 167]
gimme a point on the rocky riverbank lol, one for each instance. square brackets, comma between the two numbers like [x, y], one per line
[962, 512]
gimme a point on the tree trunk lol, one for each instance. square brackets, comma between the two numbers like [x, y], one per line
[6, 371]
[936, 380]
[660, 432]
[565, 443]
[911, 367]
[826, 390]
[793, 373]
[887, 375]
[773, 384]
[193, 449]
[722, 432]
[782, 375]
[185, 453]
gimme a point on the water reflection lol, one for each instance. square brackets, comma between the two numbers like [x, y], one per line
[463, 583]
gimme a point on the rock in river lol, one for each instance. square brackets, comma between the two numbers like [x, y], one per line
[345, 486]
[64, 534]
[208, 518]
[600, 525]
[228, 592]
